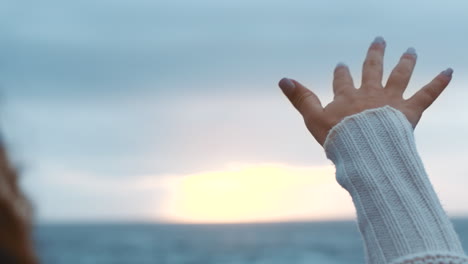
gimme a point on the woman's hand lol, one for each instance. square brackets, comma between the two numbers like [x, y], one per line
[349, 100]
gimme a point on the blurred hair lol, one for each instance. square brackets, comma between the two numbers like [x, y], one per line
[16, 245]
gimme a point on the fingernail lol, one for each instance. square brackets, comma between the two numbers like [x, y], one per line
[341, 64]
[286, 85]
[379, 40]
[411, 51]
[448, 72]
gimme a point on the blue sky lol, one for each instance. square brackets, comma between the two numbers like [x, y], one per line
[103, 101]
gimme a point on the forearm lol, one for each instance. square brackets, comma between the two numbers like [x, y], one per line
[399, 214]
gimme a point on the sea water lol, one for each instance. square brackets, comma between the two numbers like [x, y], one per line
[278, 243]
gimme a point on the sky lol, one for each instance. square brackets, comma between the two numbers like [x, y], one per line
[138, 110]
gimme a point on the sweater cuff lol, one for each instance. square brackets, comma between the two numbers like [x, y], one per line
[432, 258]
[398, 211]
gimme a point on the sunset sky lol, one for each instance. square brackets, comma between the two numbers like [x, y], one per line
[170, 110]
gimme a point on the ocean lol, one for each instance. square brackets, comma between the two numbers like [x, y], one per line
[275, 243]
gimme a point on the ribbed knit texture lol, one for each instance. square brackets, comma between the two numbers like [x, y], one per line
[399, 215]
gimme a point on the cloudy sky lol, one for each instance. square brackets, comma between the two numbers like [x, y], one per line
[170, 110]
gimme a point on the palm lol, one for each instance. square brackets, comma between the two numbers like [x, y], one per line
[348, 100]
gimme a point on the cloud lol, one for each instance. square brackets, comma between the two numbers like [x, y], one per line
[122, 138]
[61, 195]
[123, 89]
[79, 50]
[262, 192]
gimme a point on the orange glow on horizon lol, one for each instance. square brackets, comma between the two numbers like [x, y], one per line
[262, 193]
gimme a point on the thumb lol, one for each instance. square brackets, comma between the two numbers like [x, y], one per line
[303, 99]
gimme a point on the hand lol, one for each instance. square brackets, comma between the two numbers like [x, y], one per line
[349, 100]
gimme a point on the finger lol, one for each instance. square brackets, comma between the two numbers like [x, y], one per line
[342, 80]
[304, 100]
[423, 98]
[372, 69]
[401, 74]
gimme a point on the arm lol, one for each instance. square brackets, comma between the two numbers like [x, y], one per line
[399, 214]
[368, 133]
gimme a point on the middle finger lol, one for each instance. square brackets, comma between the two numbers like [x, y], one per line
[372, 69]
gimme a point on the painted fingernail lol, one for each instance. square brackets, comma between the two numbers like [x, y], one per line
[411, 51]
[341, 64]
[286, 85]
[448, 72]
[379, 40]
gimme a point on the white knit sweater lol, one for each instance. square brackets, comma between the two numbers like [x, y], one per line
[399, 215]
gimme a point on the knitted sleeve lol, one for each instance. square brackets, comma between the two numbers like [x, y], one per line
[399, 215]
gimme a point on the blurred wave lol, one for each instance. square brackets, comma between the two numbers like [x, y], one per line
[326, 243]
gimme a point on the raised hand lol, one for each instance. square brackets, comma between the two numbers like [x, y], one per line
[349, 100]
